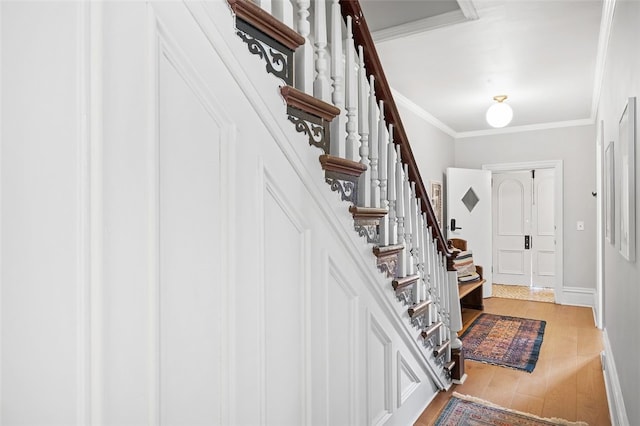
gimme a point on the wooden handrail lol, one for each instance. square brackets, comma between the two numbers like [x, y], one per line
[362, 37]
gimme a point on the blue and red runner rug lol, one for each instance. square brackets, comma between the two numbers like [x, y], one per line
[503, 340]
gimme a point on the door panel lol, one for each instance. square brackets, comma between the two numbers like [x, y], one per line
[543, 229]
[512, 221]
[469, 203]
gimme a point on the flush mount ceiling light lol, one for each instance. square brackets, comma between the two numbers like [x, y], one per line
[499, 114]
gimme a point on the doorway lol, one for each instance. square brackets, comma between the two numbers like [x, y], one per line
[527, 230]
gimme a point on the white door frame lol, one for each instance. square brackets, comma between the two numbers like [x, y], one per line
[559, 197]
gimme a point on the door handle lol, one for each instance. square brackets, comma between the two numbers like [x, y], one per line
[453, 226]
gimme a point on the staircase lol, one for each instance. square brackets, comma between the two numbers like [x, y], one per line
[337, 96]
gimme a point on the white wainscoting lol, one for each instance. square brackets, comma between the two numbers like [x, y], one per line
[173, 255]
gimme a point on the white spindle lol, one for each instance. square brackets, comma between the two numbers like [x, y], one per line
[283, 11]
[364, 187]
[321, 84]
[351, 95]
[408, 224]
[304, 54]
[402, 256]
[382, 174]
[391, 191]
[264, 5]
[338, 130]
[373, 127]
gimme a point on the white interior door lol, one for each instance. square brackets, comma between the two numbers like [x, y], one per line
[511, 225]
[469, 205]
[543, 229]
[524, 228]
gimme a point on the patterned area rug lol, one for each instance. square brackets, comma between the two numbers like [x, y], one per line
[505, 341]
[470, 411]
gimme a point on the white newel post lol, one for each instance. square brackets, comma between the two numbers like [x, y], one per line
[431, 268]
[391, 192]
[304, 54]
[351, 95]
[364, 187]
[321, 84]
[338, 129]
[402, 255]
[382, 174]
[454, 309]
[373, 127]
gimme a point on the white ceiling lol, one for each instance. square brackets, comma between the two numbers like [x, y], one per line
[543, 54]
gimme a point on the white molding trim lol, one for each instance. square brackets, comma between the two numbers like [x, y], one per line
[559, 209]
[422, 113]
[577, 296]
[527, 128]
[154, 49]
[404, 394]
[426, 116]
[83, 206]
[420, 26]
[608, 8]
[96, 218]
[617, 410]
[468, 9]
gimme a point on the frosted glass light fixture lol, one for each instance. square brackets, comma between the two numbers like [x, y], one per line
[499, 114]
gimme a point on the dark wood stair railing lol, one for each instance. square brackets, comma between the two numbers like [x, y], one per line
[362, 37]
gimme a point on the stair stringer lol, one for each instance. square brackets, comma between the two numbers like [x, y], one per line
[262, 91]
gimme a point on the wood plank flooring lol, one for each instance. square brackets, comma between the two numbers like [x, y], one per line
[567, 381]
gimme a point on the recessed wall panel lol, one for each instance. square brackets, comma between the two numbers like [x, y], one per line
[190, 252]
[284, 284]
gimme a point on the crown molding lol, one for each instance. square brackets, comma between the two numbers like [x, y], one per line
[468, 9]
[606, 22]
[419, 26]
[527, 128]
[420, 112]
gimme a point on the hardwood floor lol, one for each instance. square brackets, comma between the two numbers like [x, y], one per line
[567, 381]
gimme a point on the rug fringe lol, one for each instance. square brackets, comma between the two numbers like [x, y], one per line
[477, 400]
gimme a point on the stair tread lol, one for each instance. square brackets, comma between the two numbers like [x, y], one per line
[431, 329]
[265, 22]
[441, 349]
[404, 281]
[305, 102]
[419, 308]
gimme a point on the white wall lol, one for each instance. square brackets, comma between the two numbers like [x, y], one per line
[171, 253]
[621, 278]
[43, 290]
[572, 145]
[432, 148]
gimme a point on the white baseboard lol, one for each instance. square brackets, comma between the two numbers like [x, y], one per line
[578, 296]
[617, 410]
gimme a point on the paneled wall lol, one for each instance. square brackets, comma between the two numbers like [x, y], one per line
[170, 251]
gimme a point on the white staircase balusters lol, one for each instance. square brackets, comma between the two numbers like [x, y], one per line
[391, 192]
[283, 10]
[415, 239]
[382, 174]
[364, 186]
[303, 63]
[321, 84]
[402, 256]
[264, 5]
[351, 101]
[373, 152]
[407, 221]
[338, 129]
